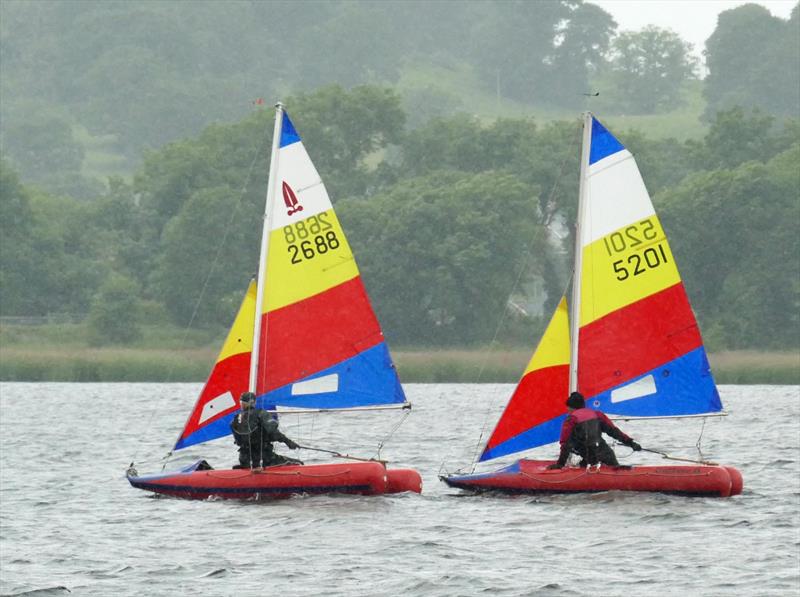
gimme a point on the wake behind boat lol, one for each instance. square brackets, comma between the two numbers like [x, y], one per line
[630, 344]
[305, 338]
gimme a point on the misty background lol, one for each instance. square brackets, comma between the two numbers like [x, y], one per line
[135, 141]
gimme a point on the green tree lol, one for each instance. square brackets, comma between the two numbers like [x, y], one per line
[580, 47]
[18, 263]
[463, 238]
[49, 254]
[115, 314]
[342, 128]
[43, 147]
[209, 250]
[511, 40]
[736, 136]
[649, 68]
[752, 61]
[734, 235]
[68, 254]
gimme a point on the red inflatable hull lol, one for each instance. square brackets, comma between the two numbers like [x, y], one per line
[532, 476]
[363, 478]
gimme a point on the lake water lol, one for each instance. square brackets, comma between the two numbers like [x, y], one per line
[71, 523]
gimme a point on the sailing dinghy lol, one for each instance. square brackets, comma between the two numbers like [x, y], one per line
[633, 348]
[305, 339]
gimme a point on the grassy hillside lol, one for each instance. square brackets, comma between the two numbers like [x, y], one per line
[430, 91]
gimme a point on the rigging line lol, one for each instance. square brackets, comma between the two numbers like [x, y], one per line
[198, 302]
[700, 439]
[392, 432]
[526, 259]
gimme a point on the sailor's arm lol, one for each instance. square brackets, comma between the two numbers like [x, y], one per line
[612, 430]
[274, 434]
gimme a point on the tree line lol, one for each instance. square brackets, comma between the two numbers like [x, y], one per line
[448, 221]
[116, 78]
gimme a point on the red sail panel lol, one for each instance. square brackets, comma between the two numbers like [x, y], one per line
[539, 397]
[227, 380]
[316, 333]
[635, 339]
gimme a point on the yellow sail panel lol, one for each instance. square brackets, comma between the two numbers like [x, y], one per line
[210, 417]
[553, 348]
[240, 336]
[306, 258]
[539, 395]
[625, 266]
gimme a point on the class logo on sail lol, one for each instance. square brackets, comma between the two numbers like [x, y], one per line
[290, 200]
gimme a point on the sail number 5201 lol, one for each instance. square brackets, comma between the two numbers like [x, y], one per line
[639, 263]
[631, 237]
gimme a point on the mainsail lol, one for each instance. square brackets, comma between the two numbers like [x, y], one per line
[640, 350]
[319, 344]
[636, 346]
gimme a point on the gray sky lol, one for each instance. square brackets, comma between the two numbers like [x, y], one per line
[693, 20]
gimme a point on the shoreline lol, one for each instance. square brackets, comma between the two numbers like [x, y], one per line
[69, 364]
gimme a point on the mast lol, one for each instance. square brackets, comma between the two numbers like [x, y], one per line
[574, 307]
[262, 258]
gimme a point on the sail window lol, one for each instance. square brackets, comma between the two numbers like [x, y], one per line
[641, 387]
[320, 385]
[217, 405]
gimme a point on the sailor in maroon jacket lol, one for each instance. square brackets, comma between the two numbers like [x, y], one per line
[582, 434]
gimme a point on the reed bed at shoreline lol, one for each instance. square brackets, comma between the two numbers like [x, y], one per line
[74, 364]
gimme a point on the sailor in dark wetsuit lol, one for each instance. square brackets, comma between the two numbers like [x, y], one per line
[254, 430]
[582, 434]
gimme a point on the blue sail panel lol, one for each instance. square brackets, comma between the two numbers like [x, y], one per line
[288, 133]
[367, 379]
[683, 386]
[214, 430]
[603, 143]
[543, 434]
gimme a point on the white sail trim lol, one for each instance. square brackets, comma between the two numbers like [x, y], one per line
[217, 405]
[320, 385]
[616, 197]
[298, 171]
[641, 387]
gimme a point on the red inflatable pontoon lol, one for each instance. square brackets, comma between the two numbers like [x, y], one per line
[197, 482]
[533, 476]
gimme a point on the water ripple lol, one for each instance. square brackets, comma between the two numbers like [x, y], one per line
[71, 523]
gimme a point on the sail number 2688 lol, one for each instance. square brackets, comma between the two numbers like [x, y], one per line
[309, 238]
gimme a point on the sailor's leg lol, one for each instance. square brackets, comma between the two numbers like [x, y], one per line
[606, 455]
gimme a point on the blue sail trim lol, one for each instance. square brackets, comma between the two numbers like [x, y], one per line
[288, 133]
[544, 433]
[214, 430]
[367, 379]
[511, 469]
[683, 386]
[603, 143]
